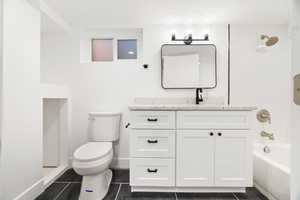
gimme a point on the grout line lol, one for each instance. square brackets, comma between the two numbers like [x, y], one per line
[67, 182]
[62, 191]
[123, 183]
[118, 191]
[235, 196]
[114, 183]
[176, 197]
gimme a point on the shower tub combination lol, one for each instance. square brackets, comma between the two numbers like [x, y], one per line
[272, 170]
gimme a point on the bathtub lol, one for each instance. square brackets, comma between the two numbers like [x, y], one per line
[272, 171]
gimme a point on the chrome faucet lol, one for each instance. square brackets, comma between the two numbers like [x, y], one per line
[268, 135]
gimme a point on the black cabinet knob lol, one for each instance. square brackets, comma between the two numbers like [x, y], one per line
[211, 134]
[219, 134]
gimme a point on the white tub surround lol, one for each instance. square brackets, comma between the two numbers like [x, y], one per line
[273, 168]
[191, 148]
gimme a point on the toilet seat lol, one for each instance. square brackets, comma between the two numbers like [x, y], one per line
[92, 151]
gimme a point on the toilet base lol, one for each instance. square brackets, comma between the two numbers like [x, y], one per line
[95, 187]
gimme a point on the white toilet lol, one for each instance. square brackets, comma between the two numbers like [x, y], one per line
[92, 159]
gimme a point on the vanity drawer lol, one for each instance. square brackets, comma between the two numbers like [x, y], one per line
[213, 120]
[152, 143]
[153, 119]
[152, 172]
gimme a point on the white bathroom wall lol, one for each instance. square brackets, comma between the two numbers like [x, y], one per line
[114, 85]
[1, 69]
[263, 78]
[96, 86]
[295, 138]
[21, 153]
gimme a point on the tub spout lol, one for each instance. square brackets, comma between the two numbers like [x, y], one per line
[268, 135]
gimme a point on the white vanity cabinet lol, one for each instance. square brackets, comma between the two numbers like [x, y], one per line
[191, 150]
[214, 158]
[195, 158]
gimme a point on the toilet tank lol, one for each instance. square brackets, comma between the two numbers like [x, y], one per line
[104, 126]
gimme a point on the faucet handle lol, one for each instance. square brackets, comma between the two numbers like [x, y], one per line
[263, 133]
[263, 116]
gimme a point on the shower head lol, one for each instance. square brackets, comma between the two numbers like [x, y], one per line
[269, 41]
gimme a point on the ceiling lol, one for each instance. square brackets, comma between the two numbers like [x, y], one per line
[110, 13]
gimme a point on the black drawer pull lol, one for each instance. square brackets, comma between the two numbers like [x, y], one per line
[211, 134]
[152, 170]
[220, 134]
[152, 141]
[152, 119]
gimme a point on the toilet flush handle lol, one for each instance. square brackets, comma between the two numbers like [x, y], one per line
[127, 125]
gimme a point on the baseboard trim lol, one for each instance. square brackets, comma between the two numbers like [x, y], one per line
[57, 172]
[265, 192]
[188, 189]
[32, 192]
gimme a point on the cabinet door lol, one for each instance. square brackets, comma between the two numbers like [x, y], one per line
[195, 158]
[233, 158]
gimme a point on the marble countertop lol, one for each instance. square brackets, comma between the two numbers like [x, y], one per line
[191, 107]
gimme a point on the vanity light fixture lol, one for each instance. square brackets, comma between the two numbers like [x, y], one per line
[188, 39]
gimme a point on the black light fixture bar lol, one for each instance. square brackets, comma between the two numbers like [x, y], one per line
[189, 39]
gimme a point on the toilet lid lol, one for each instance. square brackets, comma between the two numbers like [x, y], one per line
[93, 151]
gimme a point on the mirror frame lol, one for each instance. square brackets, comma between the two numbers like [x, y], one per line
[162, 66]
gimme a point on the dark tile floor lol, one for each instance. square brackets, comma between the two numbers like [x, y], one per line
[67, 187]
